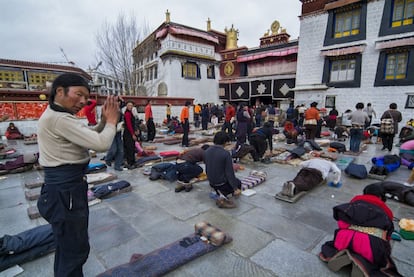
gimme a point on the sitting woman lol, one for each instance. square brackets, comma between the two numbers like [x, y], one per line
[13, 132]
[363, 236]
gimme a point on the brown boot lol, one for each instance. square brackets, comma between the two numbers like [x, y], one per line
[188, 187]
[225, 204]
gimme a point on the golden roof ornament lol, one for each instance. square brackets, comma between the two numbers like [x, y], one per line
[232, 37]
[167, 17]
[275, 27]
[208, 24]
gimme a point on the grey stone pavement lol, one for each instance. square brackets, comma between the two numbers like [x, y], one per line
[271, 237]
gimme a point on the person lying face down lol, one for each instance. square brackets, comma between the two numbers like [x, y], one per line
[311, 174]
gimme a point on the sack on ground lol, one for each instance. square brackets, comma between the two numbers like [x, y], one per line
[358, 171]
[387, 126]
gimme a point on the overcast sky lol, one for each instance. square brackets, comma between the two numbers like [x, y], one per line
[33, 30]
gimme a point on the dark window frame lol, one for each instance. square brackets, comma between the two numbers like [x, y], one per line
[410, 99]
[380, 75]
[356, 83]
[386, 22]
[330, 28]
[198, 75]
[212, 74]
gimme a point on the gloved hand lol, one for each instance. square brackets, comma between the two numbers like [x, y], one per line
[337, 185]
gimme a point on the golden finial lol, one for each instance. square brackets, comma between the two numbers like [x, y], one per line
[208, 24]
[167, 17]
[232, 37]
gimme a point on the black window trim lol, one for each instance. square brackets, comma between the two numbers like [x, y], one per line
[379, 77]
[386, 28]
[330, 28]
[356, 83]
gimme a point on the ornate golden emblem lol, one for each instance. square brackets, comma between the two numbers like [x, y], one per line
[228, 69]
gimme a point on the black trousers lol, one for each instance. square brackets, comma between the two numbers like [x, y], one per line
[129, 148]
[224, 189]
[260, 145]
[151, 129]
[310, 131]
[63, 202]
[228, 129]
[187, 171]
[307, 179]
[186, 130]
[387, 141]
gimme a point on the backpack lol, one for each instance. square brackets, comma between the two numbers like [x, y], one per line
[358, 171]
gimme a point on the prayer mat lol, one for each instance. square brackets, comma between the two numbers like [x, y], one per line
[293, 199]
[30, 140]
[170, 257]
[255, 178]
[34, 184]
[33, 212]
[21, 169]
[97, 178]
[112, 189]
[32, 194]
[150, 148]
[172, 142]
[377, 176]
[343, 162]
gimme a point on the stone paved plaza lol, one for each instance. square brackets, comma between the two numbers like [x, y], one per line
[271, 237]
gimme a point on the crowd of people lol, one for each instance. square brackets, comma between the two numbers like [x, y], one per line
[64, 142]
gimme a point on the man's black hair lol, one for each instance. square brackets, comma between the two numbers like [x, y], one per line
[221, 138]
[66, 80]
[376, 189]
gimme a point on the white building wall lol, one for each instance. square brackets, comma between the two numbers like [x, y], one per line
[203, 90]
[310, 62]
[310, 67]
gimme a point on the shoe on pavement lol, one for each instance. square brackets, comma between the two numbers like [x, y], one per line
[179, 187]
[237, 193]
[288, 189]
[188, 187]
[108, 163]
[225, 204]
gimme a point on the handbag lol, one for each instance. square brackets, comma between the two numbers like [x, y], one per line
[387, 125]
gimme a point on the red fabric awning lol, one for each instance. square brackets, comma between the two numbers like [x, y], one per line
[278, 53]
[343, 51]
[394, 43]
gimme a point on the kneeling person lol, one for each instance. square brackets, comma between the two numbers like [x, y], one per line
[220, 172]
[312, 173]
[187, 167]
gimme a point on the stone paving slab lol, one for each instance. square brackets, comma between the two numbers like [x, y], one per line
[108, 230]
[286, 260]
[224, 263]
[301, 235]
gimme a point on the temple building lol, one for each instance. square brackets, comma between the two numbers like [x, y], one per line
[356, 51]
[179, 61]
[264, 74]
